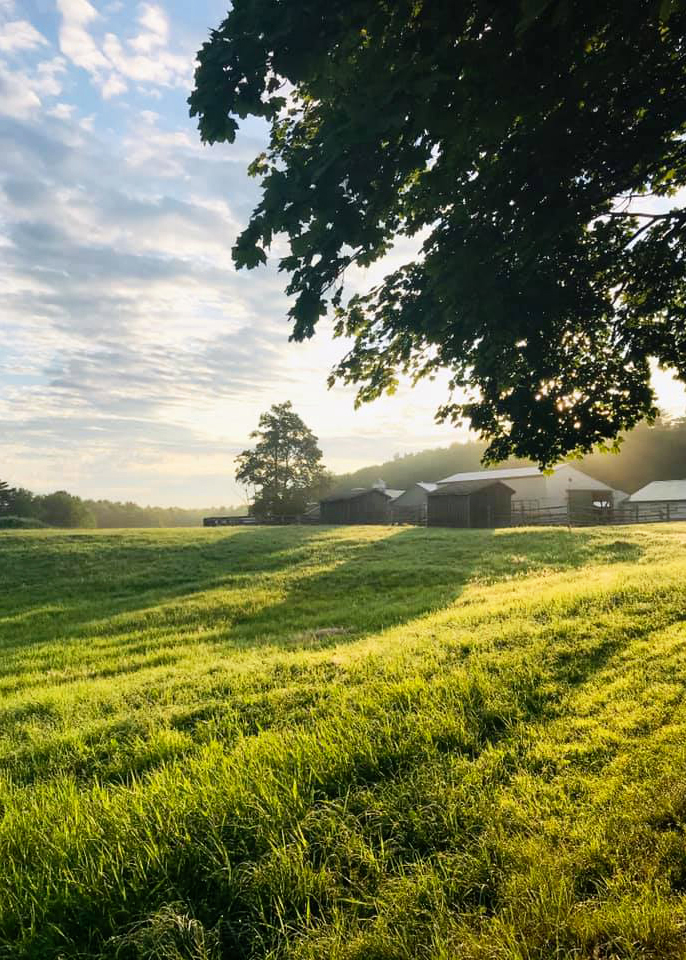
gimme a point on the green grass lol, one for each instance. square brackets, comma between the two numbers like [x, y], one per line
[357, 744]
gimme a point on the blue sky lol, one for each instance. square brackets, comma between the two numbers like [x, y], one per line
[135, 360]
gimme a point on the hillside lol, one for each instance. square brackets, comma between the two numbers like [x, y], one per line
[648, 453]
[352, 744]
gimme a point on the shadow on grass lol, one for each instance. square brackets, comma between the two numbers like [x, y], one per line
[334, 584]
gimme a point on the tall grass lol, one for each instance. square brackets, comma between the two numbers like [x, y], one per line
[358, 744]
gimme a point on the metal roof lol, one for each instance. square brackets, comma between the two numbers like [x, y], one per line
[463, 488]
[361, 492]
[659, 490]
[429, 487]
[505, 474]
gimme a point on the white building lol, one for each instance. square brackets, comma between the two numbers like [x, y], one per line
[666, 499]
[411, 506]
[564, 487]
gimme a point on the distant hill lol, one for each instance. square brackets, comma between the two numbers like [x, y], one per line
[648, 453]
[430, 465]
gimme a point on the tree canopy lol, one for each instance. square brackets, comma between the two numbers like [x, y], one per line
[6, 493]
[284, 467]
[535, 150]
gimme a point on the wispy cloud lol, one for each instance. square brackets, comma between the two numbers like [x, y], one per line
[114, 61]
[76, 42]
[19, 35]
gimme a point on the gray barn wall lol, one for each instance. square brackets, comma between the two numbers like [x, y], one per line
[369, 507]
[479, 509]
[448, 511]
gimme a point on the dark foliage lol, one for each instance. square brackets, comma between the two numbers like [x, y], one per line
[520, 141]
[284, 468]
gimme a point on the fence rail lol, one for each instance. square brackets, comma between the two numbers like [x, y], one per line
[249, 521]
[579, 517]
[537, 517]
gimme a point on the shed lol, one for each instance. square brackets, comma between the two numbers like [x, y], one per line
[411, 506]
[360, 505]
[666, 499]
[470, 503]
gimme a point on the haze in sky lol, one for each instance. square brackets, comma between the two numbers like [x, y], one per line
[135, 359]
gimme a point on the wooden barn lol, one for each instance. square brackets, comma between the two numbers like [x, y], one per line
[470, 503]
[361, 505]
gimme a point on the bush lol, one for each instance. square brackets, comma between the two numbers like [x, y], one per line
[20, 523]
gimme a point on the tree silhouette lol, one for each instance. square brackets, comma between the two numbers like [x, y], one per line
[284, 467]
[535, 147]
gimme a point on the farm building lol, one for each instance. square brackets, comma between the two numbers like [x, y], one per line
[411, 506]
[659, 500]
[360, 505]
[469, 503]
[535, 493]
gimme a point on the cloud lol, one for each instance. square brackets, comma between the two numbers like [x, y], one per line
[155, 29]
[120, 297]
[47, 77]
[76, 42]
[113, 86]
[17, 99]
[63, 111]
[17, 35]
[114, 62]
[156, 66]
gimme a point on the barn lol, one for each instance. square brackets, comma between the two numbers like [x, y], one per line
[470, 503]
[564, 489]
[659, 500]
[360, 505]
[411, 506]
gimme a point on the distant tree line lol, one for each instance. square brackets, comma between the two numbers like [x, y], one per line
[656, 452]
[21, 508]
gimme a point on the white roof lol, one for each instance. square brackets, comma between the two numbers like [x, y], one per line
[660, 490]
[393, 494]
[505, 474]
[516, 473]
[429, 487]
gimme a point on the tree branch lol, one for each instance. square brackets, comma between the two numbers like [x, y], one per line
[649, 216]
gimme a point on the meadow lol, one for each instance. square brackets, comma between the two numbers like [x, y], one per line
[360, 744]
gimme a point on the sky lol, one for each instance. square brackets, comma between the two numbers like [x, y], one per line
[135, 360]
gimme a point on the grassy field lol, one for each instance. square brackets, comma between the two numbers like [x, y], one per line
[357, 744]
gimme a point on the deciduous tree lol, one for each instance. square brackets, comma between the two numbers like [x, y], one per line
[535, 149]
[284, 467]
